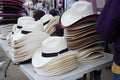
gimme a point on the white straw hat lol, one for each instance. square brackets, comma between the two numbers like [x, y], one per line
[45, 19]
[27, 45]
[79, 10]
[52, 48]
[58, 67]
[51, 26]
[24, 19]
[26, 27]
[39, 25]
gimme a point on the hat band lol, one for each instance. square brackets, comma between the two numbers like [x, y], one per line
[25, 32]
[46, 22]
[19, 27]
[12, 32]
[54, 54]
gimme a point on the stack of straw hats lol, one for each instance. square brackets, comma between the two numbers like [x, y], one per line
[25, 47]
[54, 58]
[51, 26]
[25, 40]
[18, 27]
[79, 29]
[10, 10]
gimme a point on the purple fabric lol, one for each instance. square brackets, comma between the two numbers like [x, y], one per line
[108, 26]
[13, 1]
[7, 14]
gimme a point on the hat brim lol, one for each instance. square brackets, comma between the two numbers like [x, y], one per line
[65, 23]
[38, 60]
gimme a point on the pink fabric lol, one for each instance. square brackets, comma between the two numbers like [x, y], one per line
[13, 1]
[59, 3]
[94, 5]
[60, 0]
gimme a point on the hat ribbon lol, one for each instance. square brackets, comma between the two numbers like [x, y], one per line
[19, 27]
[12, 32]
[46, 22]
[25, 32]
[54, 54]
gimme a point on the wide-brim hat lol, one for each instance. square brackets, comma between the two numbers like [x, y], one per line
[25, 49]
[91, 57]
[51, 26]
[31, 37]
[79, 10]
[71, 33]
[46, 19]
[48, 53]
[91, 50]
[58, 67]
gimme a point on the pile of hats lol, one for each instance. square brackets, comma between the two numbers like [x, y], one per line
[26, 31]
[25, 47]
[54, 58]
[10, 10]
[79, 29]
[24, 38]
[17, 28]
[49, 23]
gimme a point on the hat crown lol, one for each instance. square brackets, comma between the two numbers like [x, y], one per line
[81, 9]
[23, 19]
[29, 25]
[54, 44]
[45, 18]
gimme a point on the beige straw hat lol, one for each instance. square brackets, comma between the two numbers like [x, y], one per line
[79, 10]
[52, 48]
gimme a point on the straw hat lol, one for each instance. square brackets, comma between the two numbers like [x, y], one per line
[79, 10]
[25, 29]
[51, 26]
[45, 19]
[27, 45]
[58, 67]
[31, 37]
[24, 18]
[86, 52]
[42, 22]
[52, 48]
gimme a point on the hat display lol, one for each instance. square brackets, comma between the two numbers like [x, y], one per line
[44, 20]
[51, 26]
[48, 53]
[58, 67]
[78, 10]
[25, 30]
[90, 53]
[79, 29]
[27, 45]
[51, 55]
